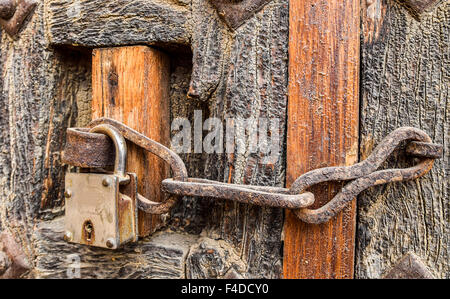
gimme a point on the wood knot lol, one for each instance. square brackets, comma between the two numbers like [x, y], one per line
[113, 79]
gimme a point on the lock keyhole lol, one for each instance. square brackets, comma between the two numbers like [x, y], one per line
[88, 231]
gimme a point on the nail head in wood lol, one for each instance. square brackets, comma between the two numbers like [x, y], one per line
[7, 8]
[12, 21]
[235, 12]
[417, 7]
[409, 266]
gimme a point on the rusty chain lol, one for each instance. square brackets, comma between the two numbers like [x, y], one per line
[365, 174]
[84, 149]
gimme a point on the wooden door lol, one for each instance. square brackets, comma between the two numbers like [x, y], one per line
[337, 77]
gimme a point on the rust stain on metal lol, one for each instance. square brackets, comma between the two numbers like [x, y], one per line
[14, 259]
[98, 213]
[236, 12]
[91, 211]
[84, 149]
[409, 266]
[89, 150]
[257, 195]
[176, 163]
[95, 204]
[88, 232]
[12, 18]
[424, 149]
[128, 211]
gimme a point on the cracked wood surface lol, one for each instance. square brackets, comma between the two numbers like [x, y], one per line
[405, 77]
[98, 23]
[40, 88]
[46, 88]
[242, 74]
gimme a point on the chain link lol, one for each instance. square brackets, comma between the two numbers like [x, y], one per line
[362, 175]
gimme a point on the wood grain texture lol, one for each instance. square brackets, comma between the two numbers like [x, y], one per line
[322, 130]
[99, 23]
[254, 84]
[165, 254]
[39, 91]
[229, 86]
[45, 89]
[239, 74]
[161, 256]
[131, 85]
[405, 82]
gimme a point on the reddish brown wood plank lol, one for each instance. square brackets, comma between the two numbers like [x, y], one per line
[322, 129]
[131, 84]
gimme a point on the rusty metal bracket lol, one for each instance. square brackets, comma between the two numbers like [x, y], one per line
[235, 12]
[13, 14]
[13, 261]
[93, 150]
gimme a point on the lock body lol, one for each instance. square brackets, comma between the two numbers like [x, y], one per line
[99, 210]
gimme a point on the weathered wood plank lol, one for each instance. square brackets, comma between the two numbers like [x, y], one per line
[39, 91]
[322, 129]
[210, 258]
[405, 82]
[254, 85]
[131, 85]
[166, 254]
[241, 74]
[418, 7]
[97, 23]
[232, 87]
[161, 256]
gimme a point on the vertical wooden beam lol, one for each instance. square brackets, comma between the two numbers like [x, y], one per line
[322, 129]
[131, 84]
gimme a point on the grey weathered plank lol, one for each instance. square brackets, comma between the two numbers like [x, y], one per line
[254, 85]
[405, 82]
[236, 74]
[161, 256]
[166, 254]
[39, 89]
[98, 23]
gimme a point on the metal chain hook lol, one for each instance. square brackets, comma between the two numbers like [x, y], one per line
[365, 175]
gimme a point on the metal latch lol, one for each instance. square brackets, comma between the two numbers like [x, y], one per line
[99, 195]
[101, 208]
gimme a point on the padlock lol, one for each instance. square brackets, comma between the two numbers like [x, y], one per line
[101, 208]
